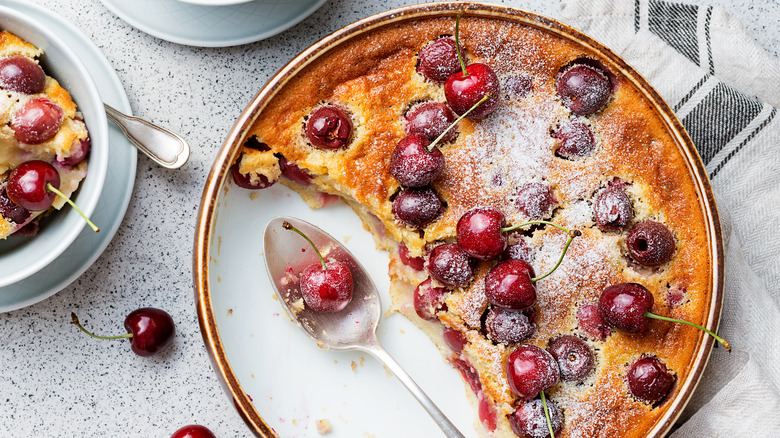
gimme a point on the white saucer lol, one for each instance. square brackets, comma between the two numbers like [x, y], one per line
[118, 187]
[212, 26]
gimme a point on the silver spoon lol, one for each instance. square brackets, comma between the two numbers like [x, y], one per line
[161, 145]
[353, 328]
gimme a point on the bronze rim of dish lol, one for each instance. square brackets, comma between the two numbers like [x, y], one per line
[219, 173]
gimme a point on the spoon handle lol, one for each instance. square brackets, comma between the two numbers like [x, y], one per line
[444, 423]
[161, 145]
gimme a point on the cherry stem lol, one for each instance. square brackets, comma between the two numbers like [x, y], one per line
[51, 188]
[547, 414]
[457, 44]
[76, 321]
[438, 139]
[572, 235]
[722, 341]
[288, 226]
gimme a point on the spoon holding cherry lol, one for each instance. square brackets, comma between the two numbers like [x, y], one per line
[351, 328]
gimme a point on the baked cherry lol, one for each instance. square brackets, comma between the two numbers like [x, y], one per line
[535, 200]
[584, 89]
[21, 74]
[33, 185]
[450, 265]
[193, 431]
[518, 86]
[575, 140]
[417, 207]
[530, 421]
[626, 307]
[574, 356]
[36, 121]
[509, 284]
[417, 263]
[479, 233]
[508, 327]
[650, 243]
[329, 127]
[613, 209]
[649, 380]
[149, 330]
[10, 210]
[294, 173]
[438, 59]
[79, 151]
[431, 119]
[530, 370]
[245, 181]
[519, 250]
[591, 323]
[325, 287]
[429, 300]
[413, 164]
[454, 339]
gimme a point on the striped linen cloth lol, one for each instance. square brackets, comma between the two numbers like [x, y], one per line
[725, 89]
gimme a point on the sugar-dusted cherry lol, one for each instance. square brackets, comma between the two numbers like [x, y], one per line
[150, 330]
[450, 265]
[650, 243]
[535, 200]
[329, 127]
[613, 209]
[519, 249]
[508, 327]
[509, 284]
[575, 140]
[584, 89]
[10, 210]
[37, 121]
[429, 300]
[325, 287]
[590, 322]
[193, 431]
[413, 164]
[438, 59]
[530, 370]
[626, 307]
[431, 119]
[518, 85]
[529, 419]
[21, 74]
[479, 233]
[417, 207]
[649, 380]
[416, 263]
[574, 356]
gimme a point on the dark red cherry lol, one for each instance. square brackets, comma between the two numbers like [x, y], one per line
[294, 173]
[519, 250]
[649, 380]
[10, 210]
[245, 181]
[450, 265]
[479, 233]
[463, 92]
[589, 321]
[508, 284]
[613, 209]
[650, 243]
[26, 185]
[535, 200]
[21, 74]
[584, 89]
[193, 431]
[417, 207]
[438, 59]
[430, 119]
[152, 330]
[518, 86]
[412, 164]
[509, 327]
[576, 140]
[417, 263]
[454, 339]
[36, 121]
[429, 300]
[530, 370]
[329, 127]
[327, 290]
[623, 306]
[79, 152]
[529, 421]
[574, 356]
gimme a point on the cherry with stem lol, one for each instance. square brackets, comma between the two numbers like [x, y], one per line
[149, 330]
[572, 234]
[547, 414]
[435, 142]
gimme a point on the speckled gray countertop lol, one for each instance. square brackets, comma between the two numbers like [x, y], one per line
[57, 382]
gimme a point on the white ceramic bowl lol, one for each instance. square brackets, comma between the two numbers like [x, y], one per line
[21, 257]
[214, 2]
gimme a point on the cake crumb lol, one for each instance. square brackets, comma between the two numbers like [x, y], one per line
[230, 312]
[253, 195]
[323, 426]
[347, 238]
[354, 366]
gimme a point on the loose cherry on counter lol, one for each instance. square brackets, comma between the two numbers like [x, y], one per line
[150, 330]
[193, 431]
[626, 307]
[326, 287]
